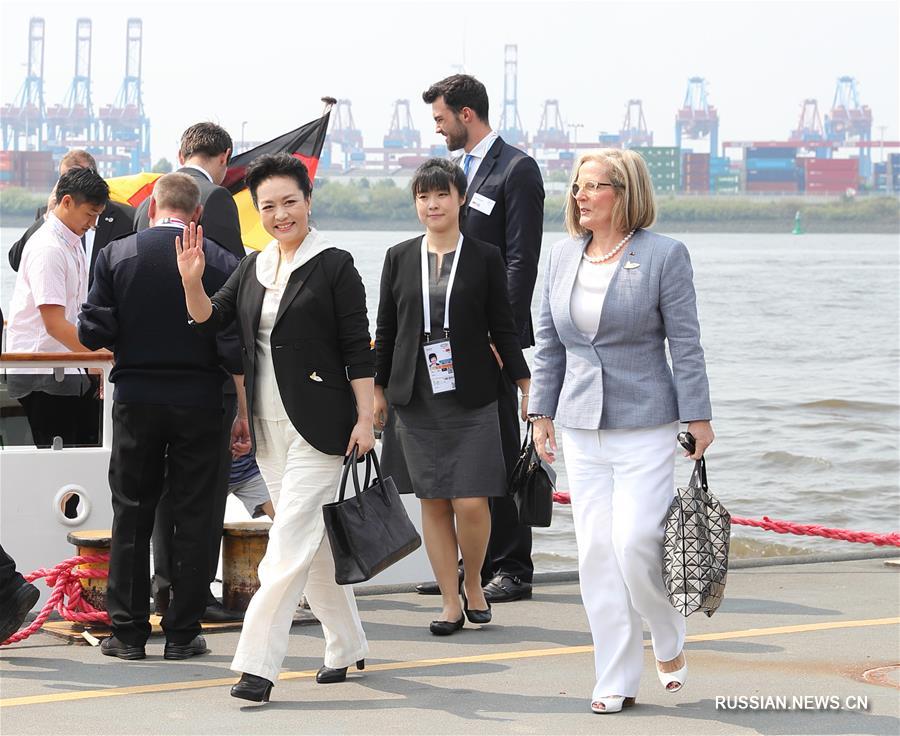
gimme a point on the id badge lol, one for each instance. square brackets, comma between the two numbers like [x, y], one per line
[439, 360]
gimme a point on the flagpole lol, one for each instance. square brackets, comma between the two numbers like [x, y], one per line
[329, 103]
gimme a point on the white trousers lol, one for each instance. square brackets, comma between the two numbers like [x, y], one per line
[298, 558]
[621, 485]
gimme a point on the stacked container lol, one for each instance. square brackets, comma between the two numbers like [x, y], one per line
[893, 172]
[771, 169]
[830, 175]
[32, 170]
[695, 172]
[664, 165]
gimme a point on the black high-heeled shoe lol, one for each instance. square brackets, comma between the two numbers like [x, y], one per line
[327, 675]
[476, 617]
[445, 628]
[252, 687]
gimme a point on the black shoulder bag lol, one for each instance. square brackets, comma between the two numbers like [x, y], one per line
[531, 484]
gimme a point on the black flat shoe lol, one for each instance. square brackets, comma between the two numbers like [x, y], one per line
[327, 675]
[252, 687]
[476, 617]
[445, 628]
[432, 588]
[113, 647]
[194, 648]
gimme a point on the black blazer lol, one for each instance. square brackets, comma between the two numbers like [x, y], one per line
[321, 331]
[512, 179]
[116, 221]
[479, 312]
[219, 217]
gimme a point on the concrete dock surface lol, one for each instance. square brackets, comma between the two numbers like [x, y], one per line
[797, 649]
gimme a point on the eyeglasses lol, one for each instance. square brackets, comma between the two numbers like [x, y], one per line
[591, 187]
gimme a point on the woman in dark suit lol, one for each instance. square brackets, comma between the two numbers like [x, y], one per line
[443, 317]
[300, 307]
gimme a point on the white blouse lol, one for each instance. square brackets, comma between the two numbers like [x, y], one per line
[591, 285]
[273, 272]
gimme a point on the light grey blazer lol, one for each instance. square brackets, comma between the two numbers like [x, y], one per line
[621, 379]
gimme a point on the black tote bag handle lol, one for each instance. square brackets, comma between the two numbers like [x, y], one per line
[350, 468]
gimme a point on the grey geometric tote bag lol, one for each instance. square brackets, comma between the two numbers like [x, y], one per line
[695, 556]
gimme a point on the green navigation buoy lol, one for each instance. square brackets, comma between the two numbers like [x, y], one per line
[798, 225]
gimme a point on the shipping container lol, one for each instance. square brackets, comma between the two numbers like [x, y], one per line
[771, 175]
[773, 152]
[759, 164]
[831, 164]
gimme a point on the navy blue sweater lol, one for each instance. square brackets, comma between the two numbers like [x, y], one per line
[136, 308]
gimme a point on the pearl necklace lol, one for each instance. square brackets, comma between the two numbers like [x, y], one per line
[604, 258]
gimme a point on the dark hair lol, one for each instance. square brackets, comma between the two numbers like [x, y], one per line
[207, 139]
[277, 164]
[82, 185]
[438, 175]
[459, 91]
[432, 355]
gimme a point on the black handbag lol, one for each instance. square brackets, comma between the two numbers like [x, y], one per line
[695, 550]
[370, 531]
[531, 485]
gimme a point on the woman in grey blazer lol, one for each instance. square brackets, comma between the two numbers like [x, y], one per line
[614, 296]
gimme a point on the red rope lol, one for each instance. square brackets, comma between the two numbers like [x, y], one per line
[891, 539]
[66, 584]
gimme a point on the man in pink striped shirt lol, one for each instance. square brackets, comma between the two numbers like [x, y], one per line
[50, 288]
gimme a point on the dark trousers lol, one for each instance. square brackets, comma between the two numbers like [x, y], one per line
[148, 439]
[76, 419]
[10, 579]
[509, 548]
[164, 525]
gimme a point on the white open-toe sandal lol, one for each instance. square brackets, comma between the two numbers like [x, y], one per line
[611, 704]
[673, 681]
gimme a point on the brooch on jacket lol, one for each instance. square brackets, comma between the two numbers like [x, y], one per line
[315, 377]
[631, 264]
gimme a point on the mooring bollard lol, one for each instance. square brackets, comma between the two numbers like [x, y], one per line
[94, 542]
[243, 546]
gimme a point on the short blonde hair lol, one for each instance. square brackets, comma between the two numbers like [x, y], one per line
[77, 157]
[177, 192]
[635, 206]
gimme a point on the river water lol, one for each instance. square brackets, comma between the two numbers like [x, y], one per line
[802, 347]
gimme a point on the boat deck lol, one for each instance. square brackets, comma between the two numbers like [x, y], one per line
[829, 629]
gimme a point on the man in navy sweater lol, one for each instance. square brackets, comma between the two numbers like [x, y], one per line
[167, 413]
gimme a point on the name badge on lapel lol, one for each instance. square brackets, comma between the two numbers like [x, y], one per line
[482, 204]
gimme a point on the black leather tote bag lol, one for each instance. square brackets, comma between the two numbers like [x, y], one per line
[370, 531]
[531, 485]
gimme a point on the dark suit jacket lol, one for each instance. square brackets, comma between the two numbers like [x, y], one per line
[512, 179]
[321, 331]
[479, 312]
[115, 222]
[219, 217]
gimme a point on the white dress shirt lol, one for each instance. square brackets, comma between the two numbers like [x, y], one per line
[52, 272]
[478, 152]
[201, 170]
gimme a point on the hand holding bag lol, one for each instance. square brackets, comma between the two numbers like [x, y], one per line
[531, 484]
[370, 531]
[695, 556]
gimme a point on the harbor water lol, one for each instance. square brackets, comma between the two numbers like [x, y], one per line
[802, 348]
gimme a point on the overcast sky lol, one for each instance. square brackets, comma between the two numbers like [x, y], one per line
[268, 63]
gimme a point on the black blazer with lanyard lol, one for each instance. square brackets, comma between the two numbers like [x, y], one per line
[320, 342]
[479, 314]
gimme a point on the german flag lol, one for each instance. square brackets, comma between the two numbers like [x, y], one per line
[304, 143]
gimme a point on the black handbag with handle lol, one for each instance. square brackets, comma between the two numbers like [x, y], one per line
[695, 550]
[370, 531]
[531, 485]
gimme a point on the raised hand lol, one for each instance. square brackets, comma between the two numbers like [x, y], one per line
[189, 249]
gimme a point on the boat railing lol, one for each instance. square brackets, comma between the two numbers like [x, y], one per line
[10, 409]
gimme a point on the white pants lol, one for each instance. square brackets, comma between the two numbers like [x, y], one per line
[298, 558]
[621, 484]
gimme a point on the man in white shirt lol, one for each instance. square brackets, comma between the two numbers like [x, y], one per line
[50, 288]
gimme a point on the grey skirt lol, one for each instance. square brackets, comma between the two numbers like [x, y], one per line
[437, 448]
